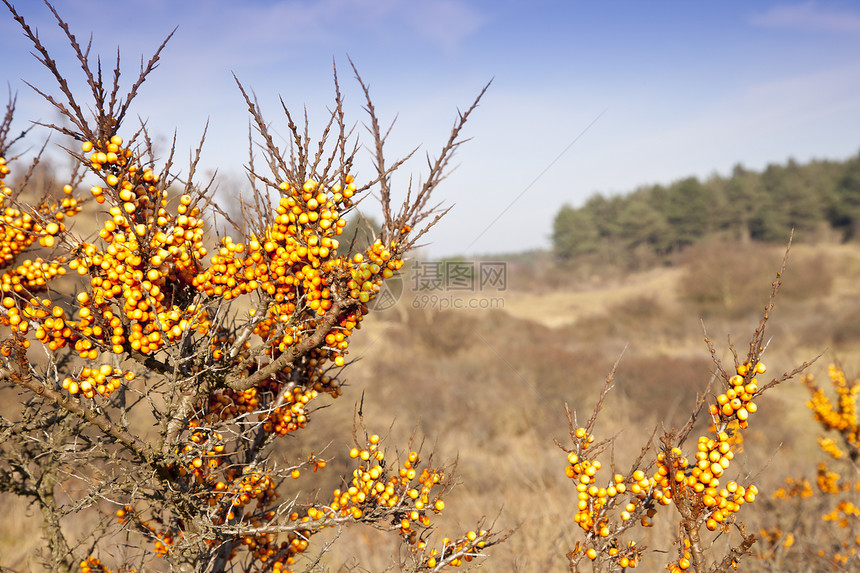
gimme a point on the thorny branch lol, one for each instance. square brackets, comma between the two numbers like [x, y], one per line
[160, 399]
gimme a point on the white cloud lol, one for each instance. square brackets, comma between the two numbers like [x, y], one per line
[811, 15]
[241, 35]
[446, 23]
[281, 30]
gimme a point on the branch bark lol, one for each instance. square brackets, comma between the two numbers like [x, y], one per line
[239, 382]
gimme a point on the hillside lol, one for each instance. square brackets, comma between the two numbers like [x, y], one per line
[819, 200]
[488, 387]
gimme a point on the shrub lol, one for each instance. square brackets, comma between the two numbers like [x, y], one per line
[170, 373]
[829, 536]
[710, 536]
[721, 278]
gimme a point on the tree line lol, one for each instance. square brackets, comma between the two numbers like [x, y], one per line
[819, 200]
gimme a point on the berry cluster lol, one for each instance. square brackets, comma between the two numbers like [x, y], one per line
[20, 229]
[702, 479]
[595, 502]
[403, 498]
[148, 257]
[456, 552]
[841, 417]
[694, 485]
[204, 452]
[136, 274]
[295, 263]
[736, 402]
[371, 488]
[592, 499]
[103, 380]
[93, 565]
[292, 414]
[241, 489]
[164, 539]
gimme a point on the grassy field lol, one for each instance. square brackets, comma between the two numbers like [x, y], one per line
[487, 388]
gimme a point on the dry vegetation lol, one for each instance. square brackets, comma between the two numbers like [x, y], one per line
[490, 385]
[623, 349]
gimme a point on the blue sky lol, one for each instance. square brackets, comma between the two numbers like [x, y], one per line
[586, 97]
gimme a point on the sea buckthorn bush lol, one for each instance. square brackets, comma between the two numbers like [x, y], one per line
[158, 369]
[829, 538]
[697, 478]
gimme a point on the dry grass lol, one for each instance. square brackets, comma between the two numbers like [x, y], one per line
[566, 306]
[489, 387]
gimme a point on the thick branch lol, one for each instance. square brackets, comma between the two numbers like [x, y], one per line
[734, 555]
[239, 382]
[61, 554]
[127, 439]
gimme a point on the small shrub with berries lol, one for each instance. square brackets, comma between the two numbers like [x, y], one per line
[694, 478]
[816, 516]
